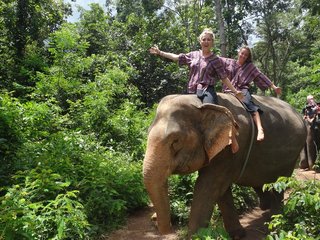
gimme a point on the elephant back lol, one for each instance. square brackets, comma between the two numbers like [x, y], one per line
[285, 135]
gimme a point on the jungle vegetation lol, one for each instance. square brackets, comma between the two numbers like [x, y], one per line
[76, 99]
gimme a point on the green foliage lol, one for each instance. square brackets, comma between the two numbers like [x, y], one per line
[109, 185]
[300, 218]
[244, 198]
[217, 233]
[110, 110]
[26, 25]
[304, 80]
[111, 188]
[237, 27]
[40, 206]
[12, 134]
[181, 194]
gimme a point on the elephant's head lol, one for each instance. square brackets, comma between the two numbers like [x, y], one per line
[185, 136]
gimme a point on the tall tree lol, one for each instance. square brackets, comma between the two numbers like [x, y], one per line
[237, 26]
[95, 27]
[273, 51]
[220, 21]
[29, 22]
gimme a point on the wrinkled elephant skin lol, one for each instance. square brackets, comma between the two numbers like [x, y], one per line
[187, 136]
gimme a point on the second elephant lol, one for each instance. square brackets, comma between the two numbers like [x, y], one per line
[309, 153]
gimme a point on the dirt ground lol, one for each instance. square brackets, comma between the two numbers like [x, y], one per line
[140, 227]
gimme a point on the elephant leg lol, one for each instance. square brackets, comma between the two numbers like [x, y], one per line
[311, 149]
[202, 206]
[270, 200]
[208, 188]
[304, 158]
[312, 154]
[265, 198]
[230, 216]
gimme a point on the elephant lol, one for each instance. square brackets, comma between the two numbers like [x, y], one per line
[187, 136]
[309, 153]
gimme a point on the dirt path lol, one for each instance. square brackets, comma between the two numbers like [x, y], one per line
[139, 226]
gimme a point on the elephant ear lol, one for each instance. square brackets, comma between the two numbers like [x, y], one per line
[218, 125]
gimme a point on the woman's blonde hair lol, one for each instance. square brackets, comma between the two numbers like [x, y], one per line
[206, 31]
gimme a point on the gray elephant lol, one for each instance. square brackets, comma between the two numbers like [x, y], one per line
[188, 136]
[309, 153]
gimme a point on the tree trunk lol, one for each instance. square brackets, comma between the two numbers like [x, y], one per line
[223, 44]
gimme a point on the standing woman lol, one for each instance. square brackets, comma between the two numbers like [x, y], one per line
[242, 73]
[205, 68]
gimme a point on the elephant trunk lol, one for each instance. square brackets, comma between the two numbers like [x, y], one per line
[155, 177]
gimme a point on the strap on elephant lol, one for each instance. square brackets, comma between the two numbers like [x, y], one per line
[250, 145]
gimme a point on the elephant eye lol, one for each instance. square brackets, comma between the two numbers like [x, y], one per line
[176, 145]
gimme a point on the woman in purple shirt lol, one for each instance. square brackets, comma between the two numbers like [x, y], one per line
[205, 69]
[242, 73]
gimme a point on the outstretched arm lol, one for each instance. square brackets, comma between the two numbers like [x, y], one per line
[156, 51]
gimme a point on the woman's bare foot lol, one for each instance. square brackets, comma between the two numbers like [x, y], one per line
[260, 135]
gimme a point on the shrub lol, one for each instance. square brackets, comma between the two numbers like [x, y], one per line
[300, 218]
[11, 135]
[41, 207]
[244, 198]
[109, 183]
[181, 194]
[217, 233]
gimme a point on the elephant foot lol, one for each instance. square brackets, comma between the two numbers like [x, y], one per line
[237, 234]
[303, 164]
[305, 168]
[264, 205]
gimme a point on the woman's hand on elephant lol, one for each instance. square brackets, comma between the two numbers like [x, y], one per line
[278, 91]
[239, 95]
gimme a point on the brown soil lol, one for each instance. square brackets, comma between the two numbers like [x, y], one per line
[140, 227]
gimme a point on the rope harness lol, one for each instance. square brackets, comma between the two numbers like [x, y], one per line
[250, 145]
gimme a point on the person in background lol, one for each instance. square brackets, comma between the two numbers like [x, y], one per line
[242, 73]
[311, 110]
[205, 69]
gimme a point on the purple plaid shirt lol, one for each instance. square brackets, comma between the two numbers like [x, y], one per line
[242, 76]
[211, 67]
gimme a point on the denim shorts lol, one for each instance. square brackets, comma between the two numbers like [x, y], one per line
[208, 95]
[249, 104]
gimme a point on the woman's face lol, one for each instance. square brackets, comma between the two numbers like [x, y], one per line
[206, 41]
[243, 56]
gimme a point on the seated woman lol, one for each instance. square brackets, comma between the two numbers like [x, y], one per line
[242, 73]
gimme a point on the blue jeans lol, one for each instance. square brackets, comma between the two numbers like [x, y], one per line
[208, 96]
